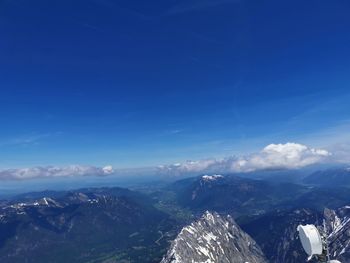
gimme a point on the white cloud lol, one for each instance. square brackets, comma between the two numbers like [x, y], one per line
[284, 156]
[108, 169]
[273, 156]
[53, 171]
[341, 152]
[189, 166]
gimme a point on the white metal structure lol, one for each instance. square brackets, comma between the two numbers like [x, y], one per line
[311, 240]
[314, 243]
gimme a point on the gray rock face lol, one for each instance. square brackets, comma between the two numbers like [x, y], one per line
[214, 239]
[338, 228]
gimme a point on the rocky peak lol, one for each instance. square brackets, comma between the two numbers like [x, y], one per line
[214, 238]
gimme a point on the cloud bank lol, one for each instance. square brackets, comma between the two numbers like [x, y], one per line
[52, 171]
[273, 156]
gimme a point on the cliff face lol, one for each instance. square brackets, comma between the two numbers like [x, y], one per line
[338, 228]
[214, 238]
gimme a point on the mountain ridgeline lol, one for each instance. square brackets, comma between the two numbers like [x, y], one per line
[92, 225]
[329, 177]
[172, 223]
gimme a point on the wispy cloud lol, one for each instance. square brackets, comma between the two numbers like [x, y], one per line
[54, 171]
[341, 152]
[27, 139]
[273, 156]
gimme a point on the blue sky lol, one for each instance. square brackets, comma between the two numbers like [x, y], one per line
[142, 83]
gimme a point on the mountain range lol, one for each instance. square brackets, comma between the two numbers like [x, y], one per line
[256, 217]
[92, 225]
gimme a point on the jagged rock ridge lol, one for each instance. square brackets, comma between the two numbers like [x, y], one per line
[338, 228]
[214, 238]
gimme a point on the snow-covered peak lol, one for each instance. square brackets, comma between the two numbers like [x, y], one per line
[45, 202]
[211, 177]
[211, 239]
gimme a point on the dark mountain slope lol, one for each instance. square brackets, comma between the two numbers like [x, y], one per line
[94, 225]
[330, 178]
[234, 195]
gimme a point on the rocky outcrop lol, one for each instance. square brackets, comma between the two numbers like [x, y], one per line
[214, 238]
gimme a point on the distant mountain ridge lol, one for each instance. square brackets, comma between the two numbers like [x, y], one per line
[329, 177]
[233, 194]
[97, 225]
